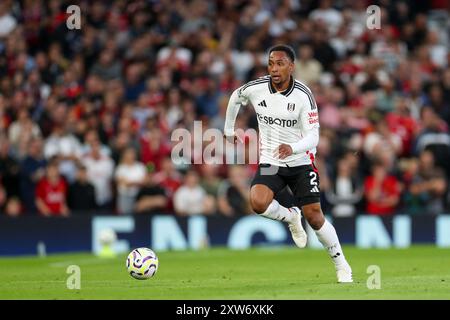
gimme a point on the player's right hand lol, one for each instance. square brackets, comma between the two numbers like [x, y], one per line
[233, 139]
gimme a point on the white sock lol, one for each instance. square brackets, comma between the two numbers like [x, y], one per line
[329, 239]
[275, 211]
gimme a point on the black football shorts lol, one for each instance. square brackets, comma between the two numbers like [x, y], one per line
[302, 180]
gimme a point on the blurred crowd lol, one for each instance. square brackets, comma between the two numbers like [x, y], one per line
[86, 115]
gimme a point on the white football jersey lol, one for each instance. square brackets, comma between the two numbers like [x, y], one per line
[286, 117]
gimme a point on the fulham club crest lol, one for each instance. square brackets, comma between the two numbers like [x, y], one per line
[291, 107]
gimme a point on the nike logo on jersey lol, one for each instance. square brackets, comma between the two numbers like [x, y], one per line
[262, 103]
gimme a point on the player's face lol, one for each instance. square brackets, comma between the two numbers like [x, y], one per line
[280, 67]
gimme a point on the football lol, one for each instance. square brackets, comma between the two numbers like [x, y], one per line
[142, 263]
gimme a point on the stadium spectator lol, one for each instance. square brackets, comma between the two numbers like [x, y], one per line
[382, 191]
[323, 51]
[307, 69]
[210, 180]
[21, 131]
[386, 96]
[129, 177]
[134, 84]
[91, 138]
[51, 192]
[9, 169]
[100, 171]
[66, 147]
[233, 195]
[32, 170]
[81, 194]
[153, 148]
[382, 144]
[434, 136]
[3, 198]
[330, 100]
[170, 179]
[173, 114]
[426, 192]
[119, 143]
[281, 23]
[346, 191]
[174, 56]
[7, 21]
[191, 199]
[437, 103]
[107, 68]
[151, 198]
[402, 124]
[142, 110]
[207, 99]
[414, 91]
[446, 83]
[13, 207]
[327, 16]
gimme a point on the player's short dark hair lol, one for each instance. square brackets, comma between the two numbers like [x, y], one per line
[286, 49]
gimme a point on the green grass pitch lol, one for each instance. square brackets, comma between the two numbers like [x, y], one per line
[420, 272]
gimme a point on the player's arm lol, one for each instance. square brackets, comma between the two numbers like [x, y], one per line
[309, 117]
[308, 142]
[238, 97]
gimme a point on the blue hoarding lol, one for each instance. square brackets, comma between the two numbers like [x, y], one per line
[166, 232]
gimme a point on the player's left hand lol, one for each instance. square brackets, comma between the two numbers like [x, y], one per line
[283, 151]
